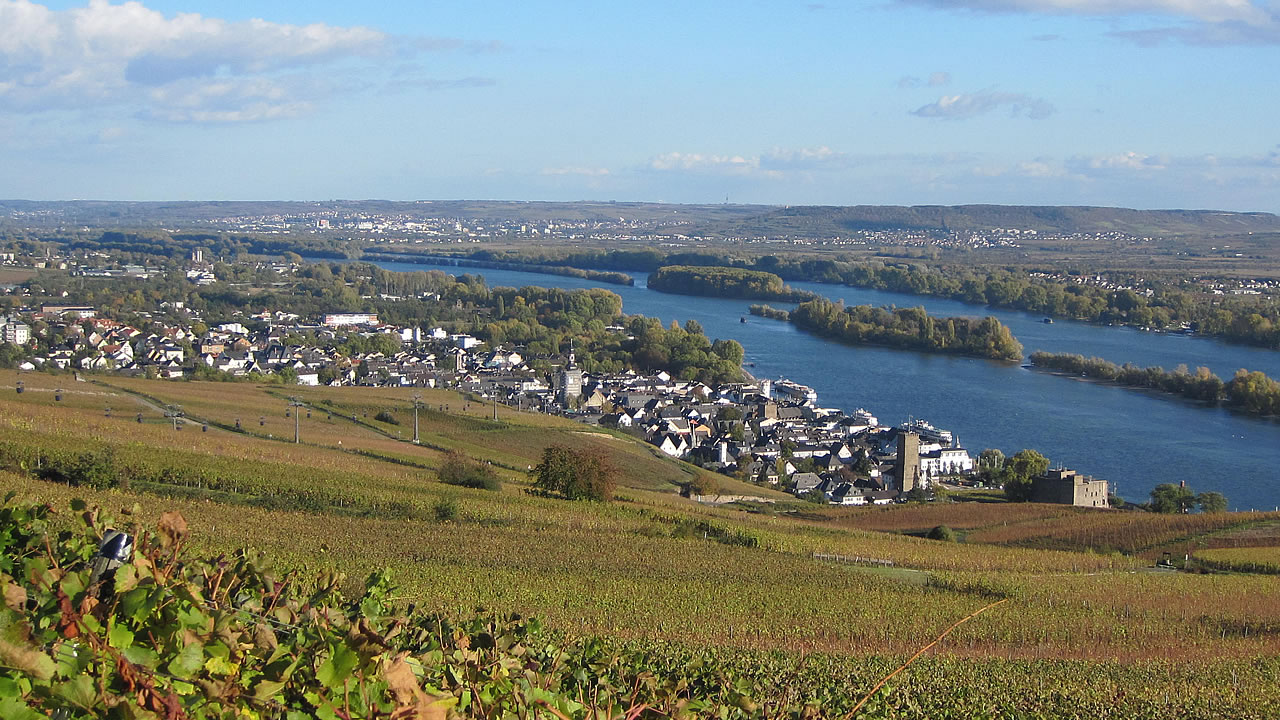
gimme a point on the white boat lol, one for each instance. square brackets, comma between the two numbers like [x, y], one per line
[796, 390]
[928, 432]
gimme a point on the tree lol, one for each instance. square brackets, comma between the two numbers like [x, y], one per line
[703, 484]
[1212, 502]
[990, 459]
[458, 469]
[1170, 498]
[1019, 471]
[575, 474]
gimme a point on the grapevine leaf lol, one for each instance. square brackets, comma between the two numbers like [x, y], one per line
[172, 527]
[267, 689]
[15, 596]
[141, 656]
[79, 691]
[15, 709]
[334, 671]
[220, 666]
[27, 659]
[120, 637]
[126, 578]
[187, 662]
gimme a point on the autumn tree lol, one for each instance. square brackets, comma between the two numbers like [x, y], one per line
[575, 474]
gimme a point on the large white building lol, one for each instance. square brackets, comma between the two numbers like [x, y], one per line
[340, 319]
[946, 461]
[16, 333]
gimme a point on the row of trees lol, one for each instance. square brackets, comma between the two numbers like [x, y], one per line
[1171, 498]
[909, 328]
[1250, 320]
[1250, 392]
[723, 282]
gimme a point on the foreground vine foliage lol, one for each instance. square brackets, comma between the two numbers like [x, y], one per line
[172, 637]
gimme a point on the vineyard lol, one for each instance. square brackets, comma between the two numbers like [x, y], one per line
[1253, 559]
[723, 598]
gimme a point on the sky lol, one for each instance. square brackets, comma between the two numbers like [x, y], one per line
[1132, 103]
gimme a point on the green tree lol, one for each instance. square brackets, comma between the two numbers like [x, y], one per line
[575, 474]
[1019, 471]
[1212, 502]
[1170, 498]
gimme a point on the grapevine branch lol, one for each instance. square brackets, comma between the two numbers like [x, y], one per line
[919, 652]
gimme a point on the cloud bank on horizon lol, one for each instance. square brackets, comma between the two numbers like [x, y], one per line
[1147, 103]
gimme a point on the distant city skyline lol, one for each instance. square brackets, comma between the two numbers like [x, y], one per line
[1131, 103]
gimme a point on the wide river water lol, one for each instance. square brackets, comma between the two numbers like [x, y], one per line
[1136, 440]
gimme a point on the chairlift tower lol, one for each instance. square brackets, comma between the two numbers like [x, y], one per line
[417, 403]
[296, 404]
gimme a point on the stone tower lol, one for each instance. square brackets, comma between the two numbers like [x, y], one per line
[907, 470]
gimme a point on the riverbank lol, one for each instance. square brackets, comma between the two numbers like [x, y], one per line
[612, 278]
[1134, 440]
[1250, 393]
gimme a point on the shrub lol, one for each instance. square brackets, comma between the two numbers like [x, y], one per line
[445, 509]
[386, 417]
[703, 484]
[458, 469]
[943, 533]
[575, 474]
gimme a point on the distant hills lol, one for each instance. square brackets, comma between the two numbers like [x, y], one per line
[835, 220]
[698, 220]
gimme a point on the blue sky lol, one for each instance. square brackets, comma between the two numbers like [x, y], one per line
[1139, 103]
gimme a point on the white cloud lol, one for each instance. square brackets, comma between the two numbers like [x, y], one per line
[698, 162]
[1204, 22]
[1128, 161]
[776, 163]
[1207, 10]
[573, 170]
[186, 67]
[803, 159]
[967, 105]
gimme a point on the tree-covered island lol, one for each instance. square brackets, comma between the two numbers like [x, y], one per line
[905, 328]
[724, 282]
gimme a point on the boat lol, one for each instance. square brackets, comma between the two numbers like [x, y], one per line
[928, 432]
[742, 320]
[795, 390]
[1047, 321]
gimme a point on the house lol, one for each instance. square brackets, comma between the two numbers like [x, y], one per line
[341, 319]
[673, 445]
[804, 482]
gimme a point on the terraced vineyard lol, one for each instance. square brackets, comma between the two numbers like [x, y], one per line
[1082, 633]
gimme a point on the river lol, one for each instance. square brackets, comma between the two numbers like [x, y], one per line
[1135, 440]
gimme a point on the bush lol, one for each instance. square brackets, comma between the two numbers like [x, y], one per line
[575, 474]
[458, 469]
[703, 484]
[445, 509]
[943, 533]
[386, 417]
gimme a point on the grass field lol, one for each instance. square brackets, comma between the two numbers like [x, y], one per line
[650, 566]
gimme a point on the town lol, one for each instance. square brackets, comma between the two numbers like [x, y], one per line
[772, 433]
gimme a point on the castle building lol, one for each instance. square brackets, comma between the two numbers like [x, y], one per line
[1067, 487]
